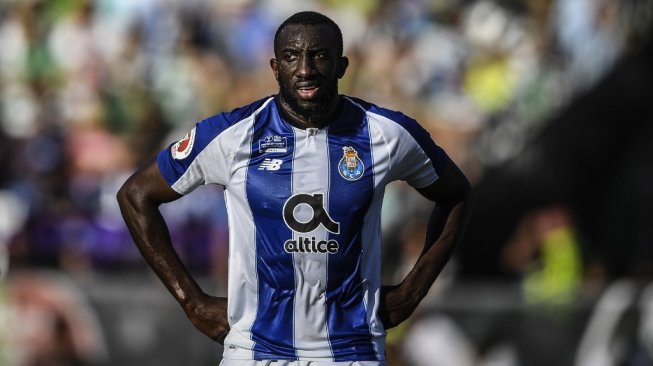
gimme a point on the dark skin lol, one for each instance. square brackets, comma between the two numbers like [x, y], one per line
[308, 65]
[139, 199]
[453, 202]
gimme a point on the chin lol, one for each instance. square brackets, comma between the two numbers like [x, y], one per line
[315, 103]
[308, 108]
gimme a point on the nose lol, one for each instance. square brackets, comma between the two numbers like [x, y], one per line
[305, 66]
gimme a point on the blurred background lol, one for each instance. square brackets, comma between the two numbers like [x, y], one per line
[547, 106]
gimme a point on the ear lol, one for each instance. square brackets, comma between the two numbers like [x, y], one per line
[275, 67]
[342, 66]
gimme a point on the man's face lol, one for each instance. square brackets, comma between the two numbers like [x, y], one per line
[307, 67]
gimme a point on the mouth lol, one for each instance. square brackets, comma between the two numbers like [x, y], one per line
[308, 92]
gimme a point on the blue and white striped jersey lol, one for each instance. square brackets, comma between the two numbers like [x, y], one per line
[304, 208]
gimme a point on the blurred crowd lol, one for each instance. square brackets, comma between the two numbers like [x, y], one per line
[90, 90]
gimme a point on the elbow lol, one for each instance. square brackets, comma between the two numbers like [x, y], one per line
[467, 192]
[463, 193]
[124, 195]
[129, 195]
[466, 196]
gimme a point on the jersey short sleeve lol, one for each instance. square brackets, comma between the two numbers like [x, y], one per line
[183, 163]
[205, 155]
[176, 162]
[414, 157]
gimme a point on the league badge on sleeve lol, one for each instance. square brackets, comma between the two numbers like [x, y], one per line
[183, 147]
[351, 167]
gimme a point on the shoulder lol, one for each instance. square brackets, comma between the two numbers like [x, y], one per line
[216, 124]
[389, 119]
[371, 108]
[209, 129]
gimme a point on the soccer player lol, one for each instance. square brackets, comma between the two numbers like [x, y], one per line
[304, 173]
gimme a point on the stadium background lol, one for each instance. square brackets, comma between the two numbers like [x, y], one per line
[547, 105]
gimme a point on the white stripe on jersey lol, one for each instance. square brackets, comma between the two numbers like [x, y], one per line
[242, 247]
[243, 258]
[310, 328]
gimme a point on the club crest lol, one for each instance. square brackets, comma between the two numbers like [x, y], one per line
[183, 147]
[350, 167]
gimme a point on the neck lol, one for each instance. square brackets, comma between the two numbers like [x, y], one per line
[313, 120]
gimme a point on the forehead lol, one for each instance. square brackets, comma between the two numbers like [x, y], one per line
[300, 36]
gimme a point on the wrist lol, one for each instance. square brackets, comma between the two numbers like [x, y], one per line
[412, 292]
[188, 298]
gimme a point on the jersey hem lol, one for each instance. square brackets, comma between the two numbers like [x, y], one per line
[247, 354]
[420, 185]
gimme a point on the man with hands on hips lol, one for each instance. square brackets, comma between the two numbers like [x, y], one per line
[304, 173]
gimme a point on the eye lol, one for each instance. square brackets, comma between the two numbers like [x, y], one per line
[321, 55]
[289, 56]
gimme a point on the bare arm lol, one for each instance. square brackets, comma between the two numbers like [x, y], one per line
[139, 200]
[452, 195]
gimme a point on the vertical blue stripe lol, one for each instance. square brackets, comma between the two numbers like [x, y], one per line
[349, 200]
[267, 191]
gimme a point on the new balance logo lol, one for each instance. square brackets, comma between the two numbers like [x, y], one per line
[270, 164]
